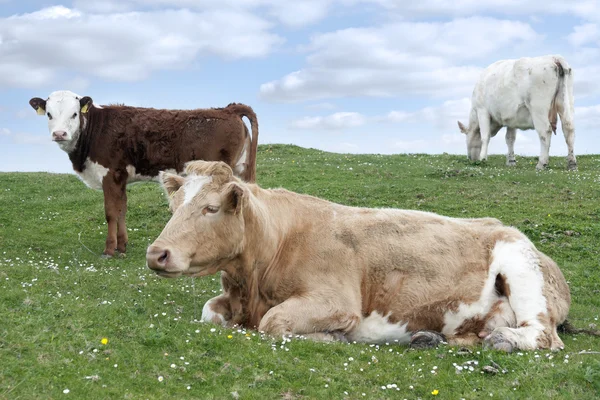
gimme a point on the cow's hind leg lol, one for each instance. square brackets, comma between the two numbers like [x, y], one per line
[114, 187]
[543, 127]
[122, 238]
[310, 315]
[519, 263]
[426, 339]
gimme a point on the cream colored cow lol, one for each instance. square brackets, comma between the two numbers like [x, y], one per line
[296, 264]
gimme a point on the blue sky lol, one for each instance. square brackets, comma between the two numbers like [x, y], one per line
[357, 76]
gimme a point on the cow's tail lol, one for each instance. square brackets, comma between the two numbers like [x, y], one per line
[567, 327]
[245, 111]
[562, 102]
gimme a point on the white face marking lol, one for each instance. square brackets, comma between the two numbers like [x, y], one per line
[376, 329]
[93, 174]
[208, 315]
[193, 186]
[63, 107]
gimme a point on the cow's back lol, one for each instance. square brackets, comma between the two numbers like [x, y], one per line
[507, 89]
[147, 140]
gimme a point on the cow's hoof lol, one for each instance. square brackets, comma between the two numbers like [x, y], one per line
[106, 256]
[498, 341]
[541, 167]
[122, 255]
[572, 166]
[511, 163]
[426, 339]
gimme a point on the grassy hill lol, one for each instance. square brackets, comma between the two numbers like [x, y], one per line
[59, 299]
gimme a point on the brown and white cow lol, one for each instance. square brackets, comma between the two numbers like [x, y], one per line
[110, 146]
[296, 264]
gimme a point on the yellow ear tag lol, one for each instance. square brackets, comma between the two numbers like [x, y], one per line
[40, 111]
[84, 109]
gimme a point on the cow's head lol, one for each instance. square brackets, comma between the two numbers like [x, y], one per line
[66, 113]
[473, 140]
[206, 229]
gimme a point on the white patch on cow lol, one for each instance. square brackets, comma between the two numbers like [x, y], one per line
[208, 315]
[193, 185]
[519, 264]
[240, 165]
[93, 174]
[377, 329]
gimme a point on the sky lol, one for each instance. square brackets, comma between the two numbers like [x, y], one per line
[349, 76]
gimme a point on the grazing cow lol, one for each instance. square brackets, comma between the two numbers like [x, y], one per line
[111, 146]
[296, 264]
[527, 93]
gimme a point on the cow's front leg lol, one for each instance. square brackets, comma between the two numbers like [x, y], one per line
[217, 310]
[114, 187]
[312, 316]
[511, 135]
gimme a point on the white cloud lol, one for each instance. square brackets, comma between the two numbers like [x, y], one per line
[337, 121]
[409, 58]
[5, 132]
[39, 47]
[587, 117]
[442, 117]
[584, 34]
[587, 9]
[296, 13]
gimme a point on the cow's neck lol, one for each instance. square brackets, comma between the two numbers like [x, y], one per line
[91, 129]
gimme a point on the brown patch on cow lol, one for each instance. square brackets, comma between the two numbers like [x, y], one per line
[348, 239]
[502, 287]
[477, 324]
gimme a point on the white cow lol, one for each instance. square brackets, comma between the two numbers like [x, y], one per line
[527, 93]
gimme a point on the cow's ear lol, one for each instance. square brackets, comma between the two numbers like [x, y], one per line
[39, 105]
[85, 103]
[462, 128]
[234, 198]
[170, 182]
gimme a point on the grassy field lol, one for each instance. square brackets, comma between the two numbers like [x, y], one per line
[59, 299]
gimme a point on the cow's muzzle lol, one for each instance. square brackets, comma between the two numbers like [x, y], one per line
[59, 136]
[157, 258]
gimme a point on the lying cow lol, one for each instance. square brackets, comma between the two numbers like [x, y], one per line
[111, 146]
[296, 264]
[527, 93]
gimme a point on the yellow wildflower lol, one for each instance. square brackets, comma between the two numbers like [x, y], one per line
[104, 340]
[435, 392]
[229, 336]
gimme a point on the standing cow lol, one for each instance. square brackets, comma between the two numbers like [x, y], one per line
[111, 146]
[527, 93]
[296, 264]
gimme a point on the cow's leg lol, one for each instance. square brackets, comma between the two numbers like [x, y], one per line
[511, 135]
[569, 133]
[122, 238]
[217, 310]
[310, 315]
[543, 127]
[485, 128]
[520, 265]
[114, 186]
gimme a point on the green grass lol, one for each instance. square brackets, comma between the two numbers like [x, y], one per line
[58, 299]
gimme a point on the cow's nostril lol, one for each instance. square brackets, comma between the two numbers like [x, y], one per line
[163, 257]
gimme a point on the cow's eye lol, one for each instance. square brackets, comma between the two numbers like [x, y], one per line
[49, 116]
[212, 209]
[74, 116]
